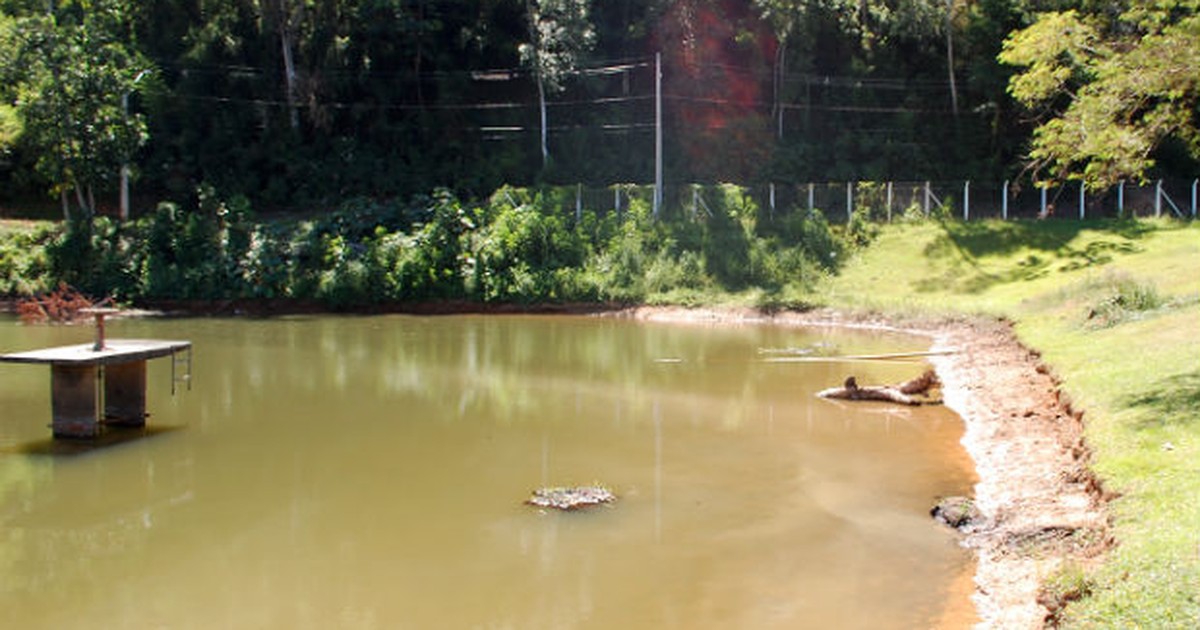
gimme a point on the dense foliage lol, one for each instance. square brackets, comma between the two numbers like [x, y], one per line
[296, 103]
[520, 246]
[1114, 89]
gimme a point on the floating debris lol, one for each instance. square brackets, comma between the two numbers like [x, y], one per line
[571, 498]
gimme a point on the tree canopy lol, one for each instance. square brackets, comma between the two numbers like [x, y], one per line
[299, 102]
[1109, 94]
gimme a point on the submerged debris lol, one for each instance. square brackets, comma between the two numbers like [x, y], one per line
[956, 512]
[571, 498]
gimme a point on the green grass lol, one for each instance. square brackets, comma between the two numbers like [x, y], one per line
[1115, 309]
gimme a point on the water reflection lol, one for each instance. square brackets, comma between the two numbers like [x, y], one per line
[369, 472]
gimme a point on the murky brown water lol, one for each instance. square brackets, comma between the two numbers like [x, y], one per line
[370, 472]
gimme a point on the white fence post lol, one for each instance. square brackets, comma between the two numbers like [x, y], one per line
[1081, 201]
[1042, 213]
[889, 202]
[810, 197]
[967, 200]
[849, 202]
[927, 194]
[1004, 201]
[1121, 199]
[1194, 182]
[771, 187]
[617, 199]
[1158, 199]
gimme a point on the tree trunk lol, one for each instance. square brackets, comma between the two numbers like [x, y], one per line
[289, 68]
[780, 60]
[950, 56]
[542, 107]
[83, 208]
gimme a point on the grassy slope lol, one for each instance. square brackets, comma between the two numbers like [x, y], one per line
[1137, 376]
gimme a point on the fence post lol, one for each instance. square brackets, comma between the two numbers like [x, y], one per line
[578, 203]
[771, 188]
[695, 200]
[1081, 201]
[617, 199]
[1004, 201]
[967, 200]
[1042, 213]
[1158, 199]
[1194, 182]
[889, 203]
[810, 196]
[927, 198]
[849, 202]
[1121, 199]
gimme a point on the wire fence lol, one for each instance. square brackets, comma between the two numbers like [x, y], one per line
[895, 201]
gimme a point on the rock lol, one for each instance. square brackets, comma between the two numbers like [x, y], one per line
[571, 498]
[956, 512]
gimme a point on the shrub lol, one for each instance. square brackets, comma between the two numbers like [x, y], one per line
[1122, 298]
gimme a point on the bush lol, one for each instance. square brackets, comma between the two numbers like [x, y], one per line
[1122, 298]
[24, 262]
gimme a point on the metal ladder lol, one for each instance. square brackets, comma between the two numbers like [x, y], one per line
[186, 362]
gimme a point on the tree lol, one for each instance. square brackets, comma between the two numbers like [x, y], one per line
[72, 71]
[559, 33]
[1108, 97]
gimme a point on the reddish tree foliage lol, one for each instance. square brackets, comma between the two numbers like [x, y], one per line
[60, 306]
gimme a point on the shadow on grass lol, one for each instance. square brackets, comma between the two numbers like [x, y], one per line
[969, 242]
[1174, 402]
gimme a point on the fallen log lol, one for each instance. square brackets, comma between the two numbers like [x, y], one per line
[913, 392]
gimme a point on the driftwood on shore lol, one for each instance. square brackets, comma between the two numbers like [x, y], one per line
[913, 392]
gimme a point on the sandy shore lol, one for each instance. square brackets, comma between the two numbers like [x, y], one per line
[1039, 503]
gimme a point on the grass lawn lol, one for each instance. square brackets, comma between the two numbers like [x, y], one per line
[1115, 309]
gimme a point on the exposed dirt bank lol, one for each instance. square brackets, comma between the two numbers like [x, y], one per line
[1041, 505]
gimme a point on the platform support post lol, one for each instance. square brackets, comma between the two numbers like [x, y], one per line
[73, 401]
[125, 394]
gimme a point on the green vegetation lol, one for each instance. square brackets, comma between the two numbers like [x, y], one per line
[519, 246]
[1113, 307]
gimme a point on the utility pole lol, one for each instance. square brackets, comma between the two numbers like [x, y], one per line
[125, 164]
[658, 157]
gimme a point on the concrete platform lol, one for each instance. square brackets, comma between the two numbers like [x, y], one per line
[90, 388]
[115, 351]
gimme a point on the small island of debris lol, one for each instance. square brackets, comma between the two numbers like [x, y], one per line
[571, 498]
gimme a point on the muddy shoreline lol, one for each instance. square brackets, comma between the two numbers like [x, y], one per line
[1040, 504]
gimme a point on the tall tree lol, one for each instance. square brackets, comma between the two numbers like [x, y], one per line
[72, 69]
[560, 32]
[1108, 97]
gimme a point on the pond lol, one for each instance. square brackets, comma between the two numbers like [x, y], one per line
[370, 472]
